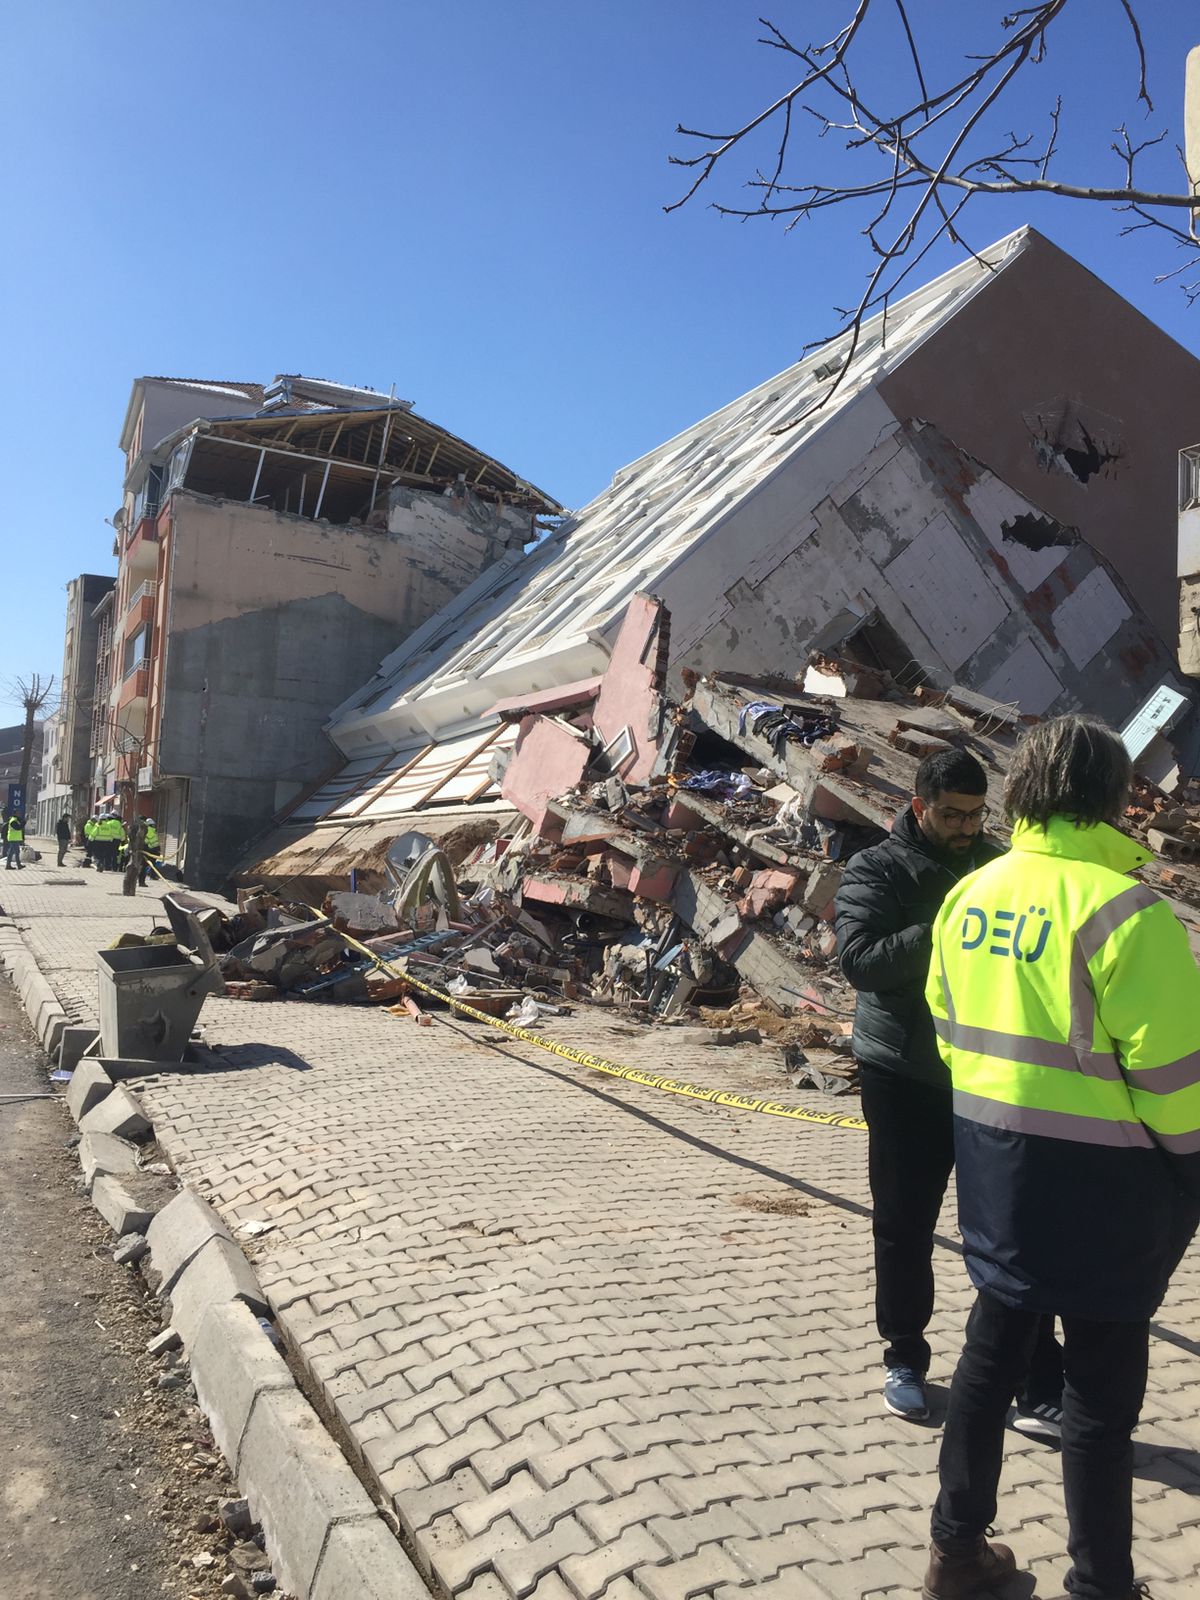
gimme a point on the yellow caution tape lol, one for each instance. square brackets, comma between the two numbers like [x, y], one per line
[612, 1069]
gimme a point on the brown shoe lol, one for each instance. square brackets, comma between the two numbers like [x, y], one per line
[963, 1577]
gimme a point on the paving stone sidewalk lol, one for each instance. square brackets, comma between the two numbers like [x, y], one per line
[588, 1339]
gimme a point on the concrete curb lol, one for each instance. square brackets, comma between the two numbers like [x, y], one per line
[325, 1535]
[102, 1154]
[87, 1088]
[123, 1213]
[41, 1003]
[117, 1113]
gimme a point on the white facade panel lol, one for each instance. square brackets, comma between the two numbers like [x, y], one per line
[1087, 619]
[1189, 542]
[1026, 680]
[947, 592]
[992, 503]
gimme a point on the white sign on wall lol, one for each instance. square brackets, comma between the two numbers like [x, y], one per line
[1156, 716]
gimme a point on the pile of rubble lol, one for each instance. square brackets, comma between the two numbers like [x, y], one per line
[678, 861]
[1171, 825]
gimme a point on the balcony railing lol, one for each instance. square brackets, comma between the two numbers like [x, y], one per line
[144, 591]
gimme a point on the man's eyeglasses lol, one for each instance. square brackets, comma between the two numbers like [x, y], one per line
[951, 817]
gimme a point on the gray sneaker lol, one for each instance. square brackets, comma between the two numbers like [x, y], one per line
[904, 1394]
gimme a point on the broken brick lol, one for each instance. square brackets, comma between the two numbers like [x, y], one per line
[915, 743]
[769, 890]
[652, 880]
[836, 753]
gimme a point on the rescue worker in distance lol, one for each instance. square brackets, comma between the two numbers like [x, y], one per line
[150, 850]
[14, 838]
[1067, 1003]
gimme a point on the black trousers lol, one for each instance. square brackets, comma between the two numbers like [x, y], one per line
[910, 1158]
[1105, 1371]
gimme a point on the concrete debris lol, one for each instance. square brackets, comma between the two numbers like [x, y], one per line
[675, 859]
[129, 1249]
[235, 1514]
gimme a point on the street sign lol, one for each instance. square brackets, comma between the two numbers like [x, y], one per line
[16, 797]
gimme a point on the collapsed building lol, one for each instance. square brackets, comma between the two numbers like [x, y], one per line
[638, 754]
[273, 544]
[675, 858]
[983, 496]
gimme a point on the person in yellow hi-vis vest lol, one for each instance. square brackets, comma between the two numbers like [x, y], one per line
[1067, 1005]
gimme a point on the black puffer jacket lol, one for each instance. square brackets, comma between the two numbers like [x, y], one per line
[885, 908]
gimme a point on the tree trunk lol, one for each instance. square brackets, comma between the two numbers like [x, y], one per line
[27, 752]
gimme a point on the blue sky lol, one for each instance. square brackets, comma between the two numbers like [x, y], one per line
[460, 197]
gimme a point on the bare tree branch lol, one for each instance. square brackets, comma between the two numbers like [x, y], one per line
[931, 150]
[33, 695]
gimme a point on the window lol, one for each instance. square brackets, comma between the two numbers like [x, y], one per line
[149, 497]
[176, 467]
[137, 650]
[1189, 479]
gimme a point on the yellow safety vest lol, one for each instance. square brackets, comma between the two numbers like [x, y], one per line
[1066, 997]
[1067, 1006]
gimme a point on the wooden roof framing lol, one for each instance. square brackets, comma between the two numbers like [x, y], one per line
[393, 442]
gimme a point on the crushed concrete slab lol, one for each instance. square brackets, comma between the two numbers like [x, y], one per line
[74, 1043]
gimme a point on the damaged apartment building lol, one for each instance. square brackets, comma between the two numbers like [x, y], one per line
[273, 544]
[983, 497]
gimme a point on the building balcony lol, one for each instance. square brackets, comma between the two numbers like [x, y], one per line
[135, 688]
[141, 547]
[130, 770]
[140, 610]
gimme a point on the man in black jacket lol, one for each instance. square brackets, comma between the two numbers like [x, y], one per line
[885, 908]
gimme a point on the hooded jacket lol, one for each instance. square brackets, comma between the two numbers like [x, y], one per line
[884, 913]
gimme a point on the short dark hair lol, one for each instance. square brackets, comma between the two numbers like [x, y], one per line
[1074, 767]
[950, 772]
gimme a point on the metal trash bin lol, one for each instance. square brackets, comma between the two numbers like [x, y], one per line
[151, 995]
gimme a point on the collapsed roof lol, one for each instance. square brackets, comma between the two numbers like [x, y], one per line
[320, 449]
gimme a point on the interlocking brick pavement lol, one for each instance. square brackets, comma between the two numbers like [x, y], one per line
[586, 1339]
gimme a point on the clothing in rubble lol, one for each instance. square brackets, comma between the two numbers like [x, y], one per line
[780, 727]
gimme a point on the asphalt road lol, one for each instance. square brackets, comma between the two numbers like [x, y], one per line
[99, 1495]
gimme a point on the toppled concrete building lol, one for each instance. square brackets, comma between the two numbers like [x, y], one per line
[983, 497]
[678, 860]
[273, 544]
